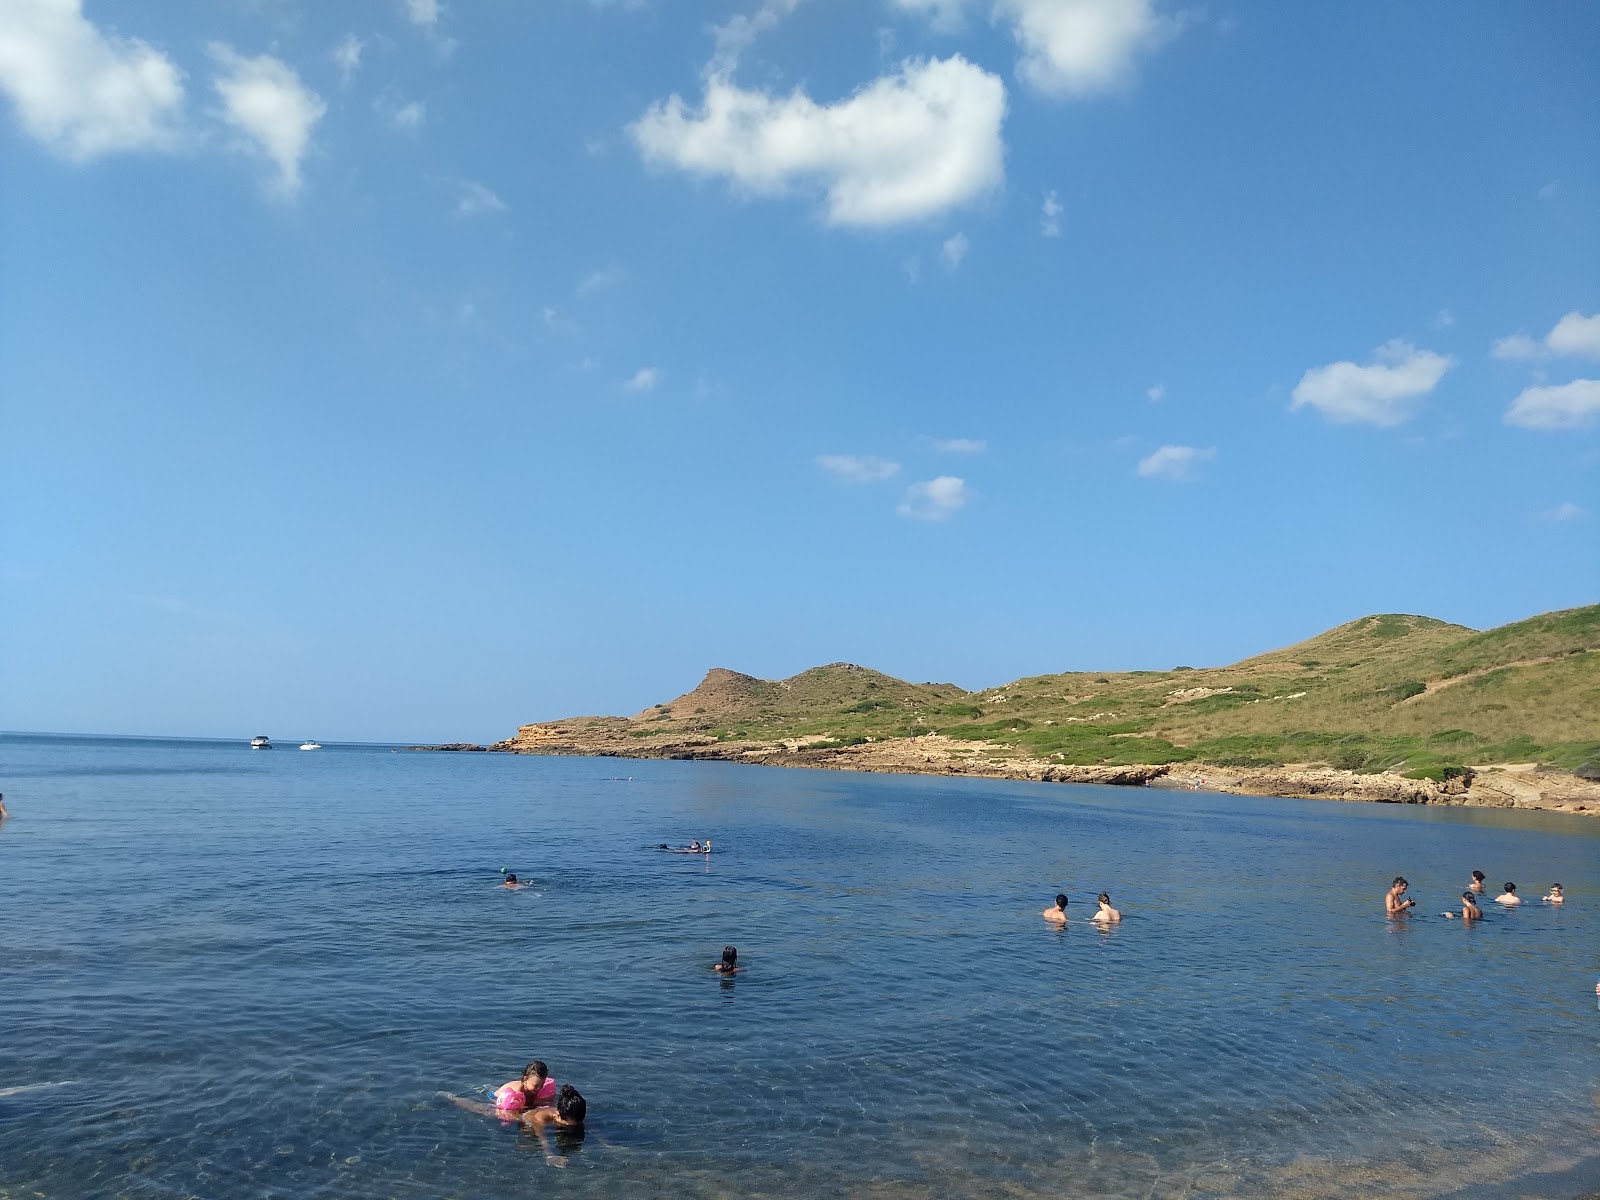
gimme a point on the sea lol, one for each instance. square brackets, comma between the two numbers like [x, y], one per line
[237, 973]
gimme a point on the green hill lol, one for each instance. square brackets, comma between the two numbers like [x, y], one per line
[1390, 692]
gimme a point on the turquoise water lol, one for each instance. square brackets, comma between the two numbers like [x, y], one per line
[237, 973]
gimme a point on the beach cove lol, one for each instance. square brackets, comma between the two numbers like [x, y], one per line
[255, 972]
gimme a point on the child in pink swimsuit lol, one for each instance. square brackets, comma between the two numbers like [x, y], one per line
[533, 1089]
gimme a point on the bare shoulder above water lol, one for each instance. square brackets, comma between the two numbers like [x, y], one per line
[1393, 708]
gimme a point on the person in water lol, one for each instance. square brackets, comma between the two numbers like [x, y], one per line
[1555, 896]
[1477, 881]
[1392, 904]
[1058, 914]
[730, 962]
[1469, 908]
[1107, 915]
[533, 1089]
[511, 883]
[3, 813]
[1509, 897]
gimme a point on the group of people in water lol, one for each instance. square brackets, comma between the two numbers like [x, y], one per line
[537, 1104]
[1395, 903]
[1106, 915]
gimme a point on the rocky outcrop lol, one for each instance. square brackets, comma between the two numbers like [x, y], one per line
[451, 746]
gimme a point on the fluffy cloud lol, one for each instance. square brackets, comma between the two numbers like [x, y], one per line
[858, 468]
[1566, 511]
[399, 112]
[935, 499]
[423, 12]
[960, 445]
[954, 250]
[1077, 47]
[1573, 334]
[80, 92]
[1173, 462]
[1156, 393]
[477, 200]
[1572, 405]
[347, 57]
[643, 380]
[265, 101]
[1050, 215]
[1384, 392]
[904, 147]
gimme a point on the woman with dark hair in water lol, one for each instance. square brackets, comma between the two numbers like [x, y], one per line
[730, 962]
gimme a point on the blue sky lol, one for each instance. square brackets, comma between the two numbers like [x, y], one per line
[410, 370]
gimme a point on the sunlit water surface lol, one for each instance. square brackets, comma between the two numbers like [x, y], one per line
[235, 973]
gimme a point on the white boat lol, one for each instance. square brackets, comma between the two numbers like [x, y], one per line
[261, 742]
[311, 744]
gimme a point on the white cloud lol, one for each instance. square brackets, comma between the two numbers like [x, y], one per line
[954, 250]
[935, 499]
[643, 380]
[264, 100]
[347, 57]
[904, 147]
[83, 93]
[1173, 462]
[1573, 334]
[1077, 47]
[1549, 190]
[599, 281]
[1572, 405]
[858, 468]
[1567, 511]
[1385, 392]
[402, 114]
[946, 16]
[477, 200]
[740, 31]
[960, 445]
[1443, 319]
[423, 12]
[1156, 393]
[1050, 215]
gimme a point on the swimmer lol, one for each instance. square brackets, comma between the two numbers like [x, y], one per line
[533, 1089]
[1509, 897]
[1392, 904]
[1477, 881]
[3, 813]
[730, 962]
[707, 847]
[1058, 914]
[511, 884]
[1470, 911]
[566, 1116]
[694, 846]
[1107, 915]
[1555, 896]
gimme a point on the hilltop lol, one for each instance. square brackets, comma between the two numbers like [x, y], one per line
[1391, 706]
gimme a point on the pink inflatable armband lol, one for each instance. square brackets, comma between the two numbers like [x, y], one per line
[510, 1098]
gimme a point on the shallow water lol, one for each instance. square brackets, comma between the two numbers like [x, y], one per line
[226, 972]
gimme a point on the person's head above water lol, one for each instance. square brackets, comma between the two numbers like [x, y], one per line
[1477, 877]
[511, 880]
[1104, 897]
[1061, 900]
[1399, 882]
[537, 1072]
[730, 956]
[571, 1108]
[1511, 889]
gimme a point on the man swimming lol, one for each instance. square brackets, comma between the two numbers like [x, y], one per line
[1058, 914]
[1509, 897]
[1477, 881]
[1107, 915]
[1470, 911]
[1555, 896]
[1392, 904]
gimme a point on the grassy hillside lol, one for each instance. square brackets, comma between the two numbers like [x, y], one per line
[1389, 692]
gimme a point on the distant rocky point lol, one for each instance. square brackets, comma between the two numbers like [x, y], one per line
[450, 746]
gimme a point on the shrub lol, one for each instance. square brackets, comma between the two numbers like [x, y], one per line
[1404, 690]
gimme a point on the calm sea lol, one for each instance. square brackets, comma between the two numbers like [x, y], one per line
[229, 973]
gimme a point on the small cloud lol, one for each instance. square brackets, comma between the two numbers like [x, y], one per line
[264, 100]
[1080, 47]
[1156, 393]
[912, 266]
[477, 200]
[643, 380]
[858, 468]
[556, 322]
[347, 57]
[599, 281]
[946, 16]
[1443, 319]
[467, 311]
[934, 499]
[1549, 190]
[960, 445]
[595, 147]
[1173, 462]
[1573, 334]
[1574, 405]
[1567, 511]
[954, 250]
[1384, 392]
[422, 13]
[1050, 215]
[399, 112]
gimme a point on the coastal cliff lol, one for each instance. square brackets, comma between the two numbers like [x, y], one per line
[1390, 708]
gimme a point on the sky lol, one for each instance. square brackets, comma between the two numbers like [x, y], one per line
[414, 369]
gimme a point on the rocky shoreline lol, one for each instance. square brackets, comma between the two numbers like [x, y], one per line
[1506, 785]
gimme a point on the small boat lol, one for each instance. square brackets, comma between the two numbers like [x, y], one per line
[261, 742]
[311, 744]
